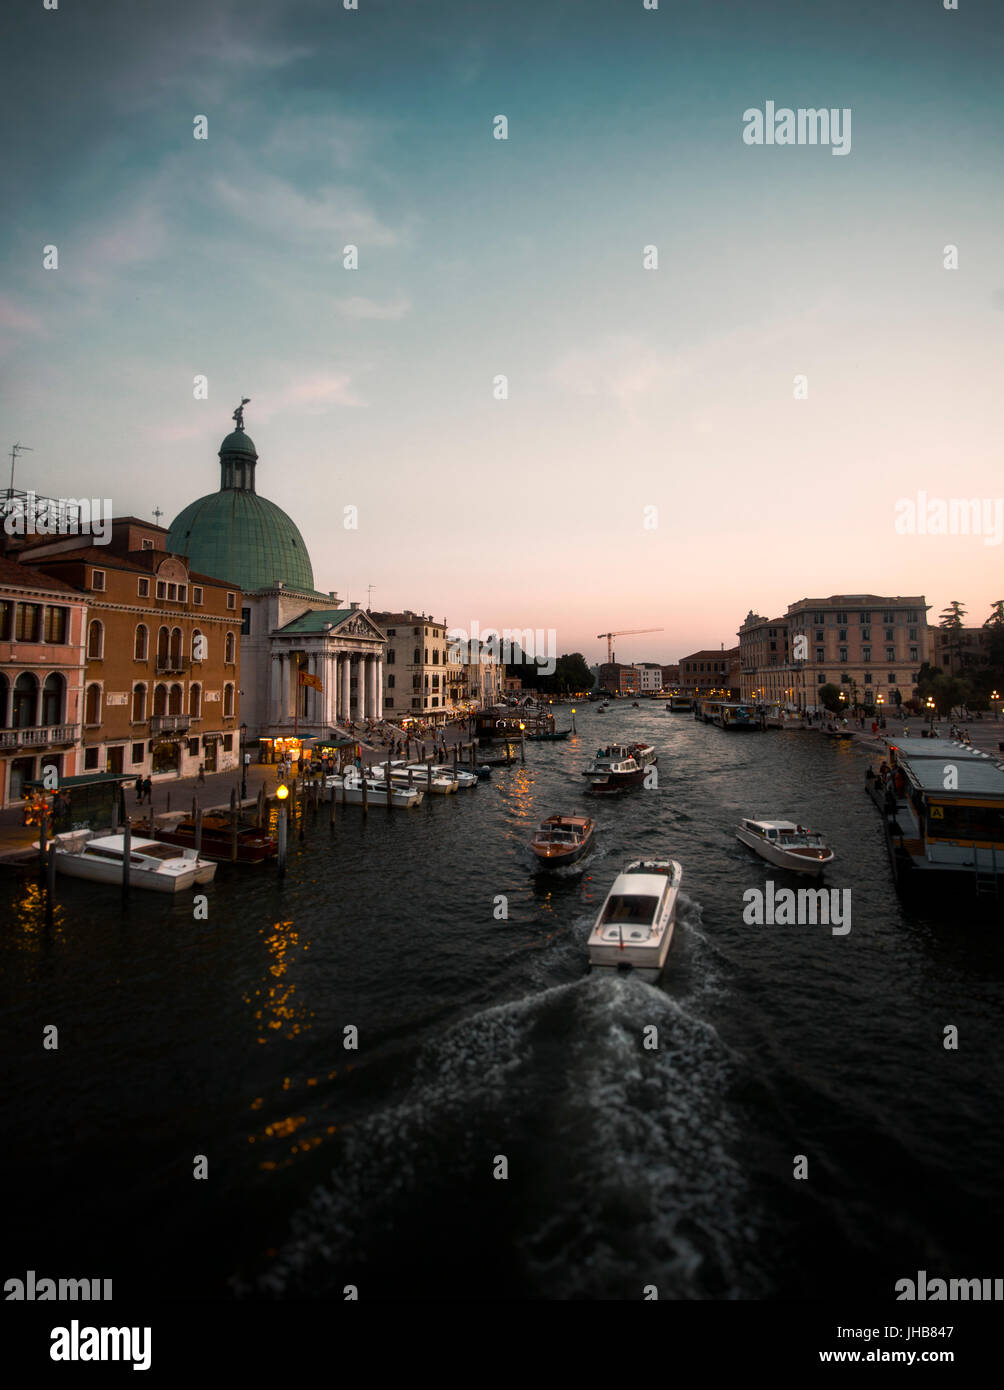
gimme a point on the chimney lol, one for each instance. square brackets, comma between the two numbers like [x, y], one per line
[353, 606]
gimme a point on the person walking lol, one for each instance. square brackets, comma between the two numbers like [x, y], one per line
[202, 774]
[148, 789]
[139, 790]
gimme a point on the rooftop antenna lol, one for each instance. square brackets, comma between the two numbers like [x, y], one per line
[16, 449]
[369, 597]
[158, 514]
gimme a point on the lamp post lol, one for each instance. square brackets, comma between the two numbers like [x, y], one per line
[244, 766]
[930, 710]
[995, 700]
[282, 792]
[573, 719]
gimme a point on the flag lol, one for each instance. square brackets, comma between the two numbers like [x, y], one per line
[313, 681]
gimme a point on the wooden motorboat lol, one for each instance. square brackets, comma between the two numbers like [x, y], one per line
[562, 840]
[253, 845]
[635, 924]
[618, 767]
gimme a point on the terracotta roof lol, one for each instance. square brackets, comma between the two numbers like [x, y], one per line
[26, 575]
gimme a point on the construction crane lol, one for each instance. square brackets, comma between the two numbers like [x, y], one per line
[628, 632]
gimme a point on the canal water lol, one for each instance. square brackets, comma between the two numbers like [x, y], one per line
[486, 1045]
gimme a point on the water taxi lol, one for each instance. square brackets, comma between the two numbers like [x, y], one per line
[348, 790]
[727, 714]
[217, 842]
[679, 704]
[442, 782]
[160, 867]
[787, 845]
[943, 809]
[561, 840]
[635, 924]
[618, 767]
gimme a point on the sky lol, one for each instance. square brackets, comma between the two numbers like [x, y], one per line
[656, 462]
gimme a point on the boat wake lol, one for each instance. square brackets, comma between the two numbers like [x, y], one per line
[573, 1144]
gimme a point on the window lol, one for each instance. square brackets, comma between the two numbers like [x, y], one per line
[864, 617]
[146, 544]
[391, 682]
[914, 654]
[92, 706]
[892, 678]
[161, 589]
[228, 743]
[427, 656]
[172, 592]
[845, 678]
[435, 656]
[231, 600]
[416, 682]
[175, 657]
[390, 656]
[53, 700]
[229, 649]
[866, 653]
[29, 616]
[245, 622]
[6, 620]
[392, 632]
[843, 654]
[888, 617]
[95, 640]
[90, 759]
[820, 635]
[821, 678]
[890, 635]
[228, 701]
[55, 624]
[868, 678]
[163, 648]
[143, 588]
[160, 700]
[841, 619]
[417, 658]
[842, 634]
[97, 579]
[196, 593]
[866, 634]
[138, 705]
[182, 593]
[820, 654]
[890, 653]
[819, 618]
[195, 701]
[141, 647]
[193, 747]
[389, 702]
[137, 753]
[435, 682]
[174, 699]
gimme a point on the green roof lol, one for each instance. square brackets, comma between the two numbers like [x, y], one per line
[318, 620]
[243, 538]
[238, 443]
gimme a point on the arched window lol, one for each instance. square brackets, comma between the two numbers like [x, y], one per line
[198, 645]
[175, 699]
[138, 703]
[228, 700]
[176, 648]
[92, 705]
[160, 699]
[95, 640]
[4, 702]
[195, 701]
[53, 700]
[229, 649]
[163, 647]
[25, 701]
[141, 649]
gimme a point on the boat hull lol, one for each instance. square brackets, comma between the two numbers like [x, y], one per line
[808, 864]
[634, 957]
[92, 870]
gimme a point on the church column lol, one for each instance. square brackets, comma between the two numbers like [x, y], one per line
[346, 687]
[363, 692]
[275, 686]
[313, 713]
[371, 695]
[333, 703]
[379, 687]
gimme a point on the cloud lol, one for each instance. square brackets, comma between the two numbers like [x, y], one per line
[336, 214]
[16, 324]
[359, 308]
[616, 365]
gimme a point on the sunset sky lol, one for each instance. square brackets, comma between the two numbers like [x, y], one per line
[628, 388]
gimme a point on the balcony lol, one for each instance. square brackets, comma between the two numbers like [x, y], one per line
[170, 665]
[170, 723]
[49, 736]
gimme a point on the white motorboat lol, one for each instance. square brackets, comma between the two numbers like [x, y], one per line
[635, 924]
[348, 789]
[618, 767]
[153, 864]
[417, 775]
[786, 844]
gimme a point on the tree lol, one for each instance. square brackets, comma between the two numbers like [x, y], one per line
[996, 618]
[951, 621]
[829, 697]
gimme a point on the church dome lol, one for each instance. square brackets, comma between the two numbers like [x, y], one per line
[238, 536]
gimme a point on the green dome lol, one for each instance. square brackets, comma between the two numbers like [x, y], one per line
[237, 535]
[238, 443]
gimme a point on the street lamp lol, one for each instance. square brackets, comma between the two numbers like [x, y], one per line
[573, 719]
[930, 709]
[282, 792]
[244, 766]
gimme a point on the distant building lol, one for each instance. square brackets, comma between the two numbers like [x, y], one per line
[649, 676]
[868, 645]
[705, 672]
[670, 677]
[959, 652]
[619, 678]
[42, 628]
[417, 678]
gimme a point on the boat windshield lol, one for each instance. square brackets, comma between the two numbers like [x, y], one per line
[630, 908]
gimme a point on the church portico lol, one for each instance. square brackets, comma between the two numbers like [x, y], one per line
[326, 670]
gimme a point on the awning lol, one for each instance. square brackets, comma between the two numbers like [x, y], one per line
[89, 779]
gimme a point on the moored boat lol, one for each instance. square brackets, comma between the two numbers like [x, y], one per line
[786, 844]
[619, 767]
[442, 782]
[154, 865]
[635, 924]
[349, 790]
[561, 840]
[253, 845]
